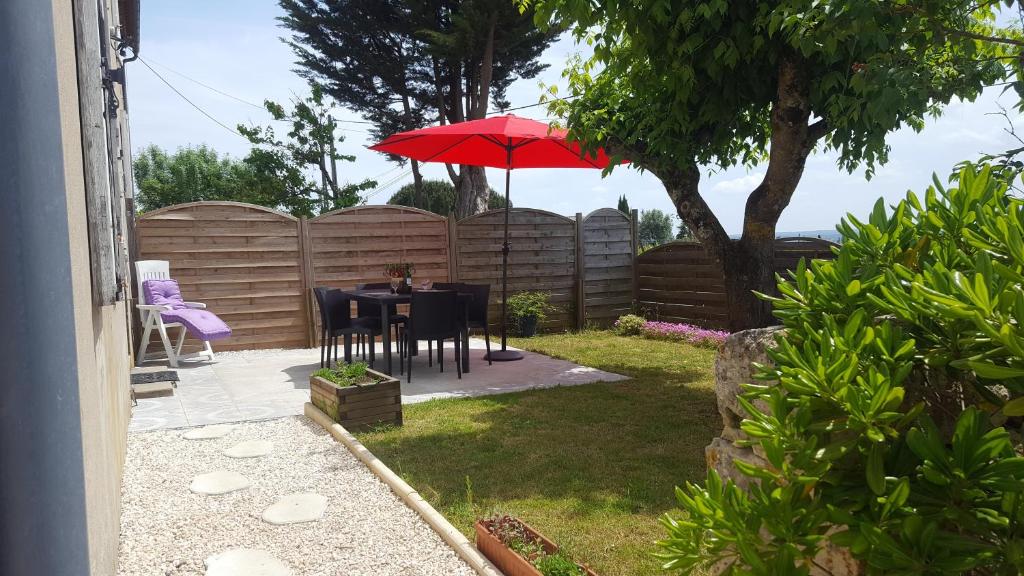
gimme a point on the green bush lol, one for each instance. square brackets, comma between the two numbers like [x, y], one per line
[526, 304]
[629, 325]
[894, 429]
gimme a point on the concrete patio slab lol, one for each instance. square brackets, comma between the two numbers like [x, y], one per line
[262, 384]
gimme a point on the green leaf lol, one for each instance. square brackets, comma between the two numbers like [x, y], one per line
[875, 469]
[1014, 407]
[853, 288]
[992, 371]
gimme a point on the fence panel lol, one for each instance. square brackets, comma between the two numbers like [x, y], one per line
[542, 257]
[607, 266]
[243, 261]
[679, 281]
[351, 246]
[789, 251]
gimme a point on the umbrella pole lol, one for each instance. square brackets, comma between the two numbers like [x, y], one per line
[505, 354]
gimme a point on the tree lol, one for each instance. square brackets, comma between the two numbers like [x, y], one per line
[623, 205]
[654, 228]
[191, 174]
[407, 63]
[438, 197]
[717, 83]
[311, 143]
[683, 232]
[373, 63]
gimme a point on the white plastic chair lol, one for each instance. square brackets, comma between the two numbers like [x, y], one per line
[160, 270]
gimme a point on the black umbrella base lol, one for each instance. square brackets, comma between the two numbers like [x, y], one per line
[504, 355]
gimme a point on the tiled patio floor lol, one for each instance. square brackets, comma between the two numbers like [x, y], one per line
[260, 384]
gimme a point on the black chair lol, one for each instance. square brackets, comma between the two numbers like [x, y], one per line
[370, 311]
[478, 304]
[336, 320]
[439, 286]
[434, 315]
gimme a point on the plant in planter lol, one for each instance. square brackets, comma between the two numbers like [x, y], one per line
[356, 396]
[528, 309]
[517, 549]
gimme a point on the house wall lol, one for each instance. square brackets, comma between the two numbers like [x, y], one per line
[101, 332]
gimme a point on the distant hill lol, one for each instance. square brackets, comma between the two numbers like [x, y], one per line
[830, 235]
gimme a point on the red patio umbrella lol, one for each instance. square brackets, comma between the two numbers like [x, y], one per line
[499, 142]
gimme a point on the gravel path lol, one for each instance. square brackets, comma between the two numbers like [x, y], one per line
[168, 530]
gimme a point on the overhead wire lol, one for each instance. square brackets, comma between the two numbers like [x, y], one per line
[242, 100]
[380, 189]
[186, 99]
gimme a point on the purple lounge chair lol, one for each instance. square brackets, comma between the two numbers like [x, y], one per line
[163, 308]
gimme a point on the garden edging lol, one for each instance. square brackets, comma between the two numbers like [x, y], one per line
[432, 517]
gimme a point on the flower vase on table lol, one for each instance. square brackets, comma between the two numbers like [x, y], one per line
[400, 276]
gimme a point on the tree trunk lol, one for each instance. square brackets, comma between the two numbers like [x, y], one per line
[471, 192]
[748, 264]
[749, 267]
[419, 199]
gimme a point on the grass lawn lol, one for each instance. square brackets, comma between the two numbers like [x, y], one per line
[592, 466]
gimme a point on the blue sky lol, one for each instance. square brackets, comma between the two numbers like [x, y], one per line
[234, 46]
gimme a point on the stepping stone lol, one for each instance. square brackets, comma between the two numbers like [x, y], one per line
[245, 562]
[250, 449]
[208, 432]
[219, 482]
[295, 508]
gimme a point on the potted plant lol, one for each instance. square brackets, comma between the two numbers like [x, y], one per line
[528, 309]
[517, 549]
[357, 397]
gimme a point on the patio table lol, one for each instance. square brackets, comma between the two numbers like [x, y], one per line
[385, 298]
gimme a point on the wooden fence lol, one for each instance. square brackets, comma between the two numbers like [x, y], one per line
[255, 267]
[608, 249]
[679, 282]
[243, 261]
[542, 257]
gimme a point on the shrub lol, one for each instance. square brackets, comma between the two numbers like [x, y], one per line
[894, 429]
[629, 325]
[526, 304]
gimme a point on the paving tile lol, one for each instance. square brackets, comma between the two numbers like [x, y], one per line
[255, 385]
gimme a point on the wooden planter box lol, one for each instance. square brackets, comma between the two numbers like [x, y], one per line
[362, 406]
[508, 561]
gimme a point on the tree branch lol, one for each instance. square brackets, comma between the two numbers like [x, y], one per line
[983, 37]
[818, 130]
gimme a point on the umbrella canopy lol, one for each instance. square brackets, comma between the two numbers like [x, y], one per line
[508, 142]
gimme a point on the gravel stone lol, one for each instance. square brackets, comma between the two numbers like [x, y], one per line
[209, 432]
[366, 529]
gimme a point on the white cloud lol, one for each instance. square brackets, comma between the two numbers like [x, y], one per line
[740, 185]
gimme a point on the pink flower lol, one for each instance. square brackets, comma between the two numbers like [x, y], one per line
[685, 332]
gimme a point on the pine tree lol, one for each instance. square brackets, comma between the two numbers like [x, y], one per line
[623, 205]
[405, 64]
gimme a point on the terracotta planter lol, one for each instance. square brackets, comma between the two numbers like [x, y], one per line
[362, 406]
[507, 560]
